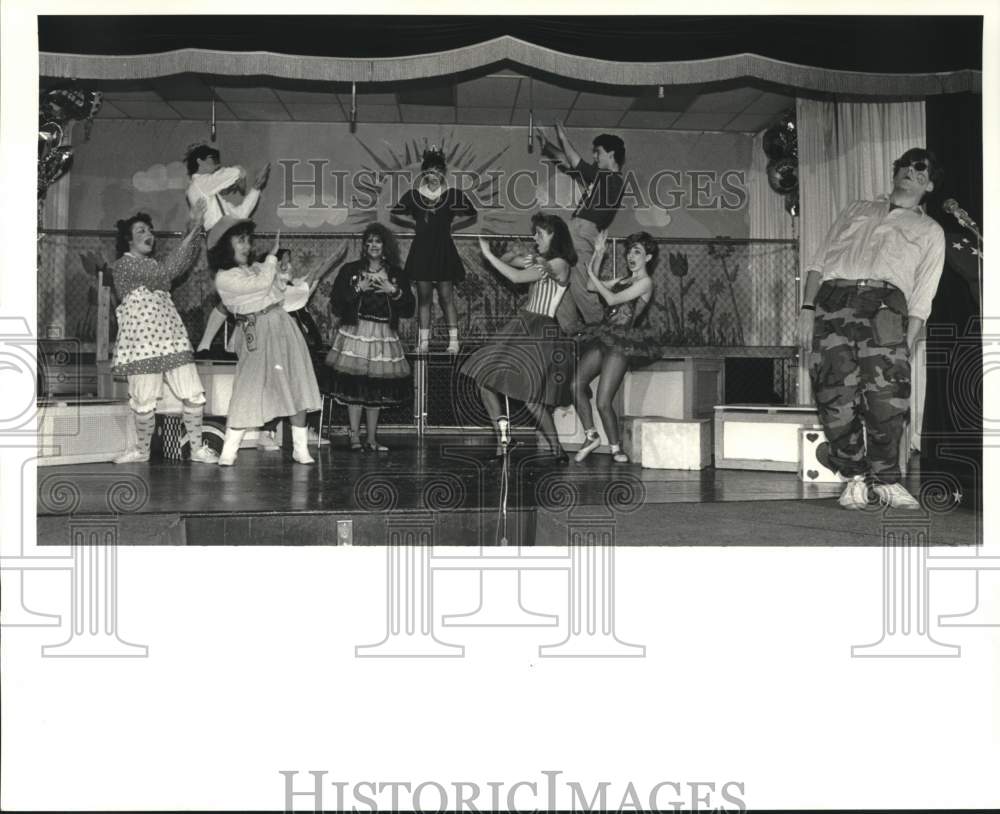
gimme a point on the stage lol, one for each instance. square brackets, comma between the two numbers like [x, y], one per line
[450, 487]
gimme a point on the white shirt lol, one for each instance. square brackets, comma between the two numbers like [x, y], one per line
[209, 186]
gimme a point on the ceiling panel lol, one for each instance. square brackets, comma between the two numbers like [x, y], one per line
[726, 101]
[109, 111]
[702, 121]
[593, 118]
[771, 103]
[260, 111]
[675, 98]
[649, 119]
[137, 94]
[368, 99]
[750, 122]
[185, 86]
[427, 114]
[544, 117]
[147, 110]
[202, 110]
[257, 94]
[538, 94]
[307, 97]
[490, 91]
[316, 113]
[484, 115]
[600, 101]
[378, 113]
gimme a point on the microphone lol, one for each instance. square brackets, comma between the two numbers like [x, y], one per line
[951, 207]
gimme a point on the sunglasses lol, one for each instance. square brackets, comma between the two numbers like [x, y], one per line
[919, 166]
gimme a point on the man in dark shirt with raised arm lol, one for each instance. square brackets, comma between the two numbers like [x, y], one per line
[602, 185]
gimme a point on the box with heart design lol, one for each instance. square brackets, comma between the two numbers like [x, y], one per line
[811, 470]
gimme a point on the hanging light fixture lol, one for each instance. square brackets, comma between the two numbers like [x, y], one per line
[212, 131]
[531, 116]
[354, 106]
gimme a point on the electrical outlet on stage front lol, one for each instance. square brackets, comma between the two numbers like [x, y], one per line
[345, 532]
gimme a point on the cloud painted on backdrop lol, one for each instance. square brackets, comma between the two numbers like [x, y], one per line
[303, 214]
[161, 177]
[653, 217]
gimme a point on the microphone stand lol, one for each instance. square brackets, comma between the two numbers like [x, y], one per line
[968, 224]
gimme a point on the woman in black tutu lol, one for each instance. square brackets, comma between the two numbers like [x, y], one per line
[433, 262]
[617, 344]
[369, 368]
[525, 360]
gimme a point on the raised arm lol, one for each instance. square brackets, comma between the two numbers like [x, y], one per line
[515, 275]
[183, 257]
[572, 156]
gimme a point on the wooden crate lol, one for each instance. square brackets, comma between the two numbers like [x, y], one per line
[683, 387]
[83, 432]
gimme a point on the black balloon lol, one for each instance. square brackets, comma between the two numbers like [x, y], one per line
[54, 166]
[783, 175]
[778, 142]
[792, 203]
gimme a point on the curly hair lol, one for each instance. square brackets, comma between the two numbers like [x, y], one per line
[390, 248]
[644, 239]
[124, 237]
[612, 144]
[220, 256]
[562, 242]
[197, 152]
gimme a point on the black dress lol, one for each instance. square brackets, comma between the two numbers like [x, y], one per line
[433, 256]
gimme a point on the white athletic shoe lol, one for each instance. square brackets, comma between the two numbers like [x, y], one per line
[855, 494]
[204, 455]
[895, 495]
[133, 455]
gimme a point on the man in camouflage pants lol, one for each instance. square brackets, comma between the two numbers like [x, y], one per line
[866, 298]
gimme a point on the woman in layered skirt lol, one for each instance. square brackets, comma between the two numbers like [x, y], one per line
[274, 374]
[528, 360]
[369, 367]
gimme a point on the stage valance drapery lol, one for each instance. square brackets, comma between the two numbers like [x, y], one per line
[499, 50]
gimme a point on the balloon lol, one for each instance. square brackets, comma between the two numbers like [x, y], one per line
[54, 166]
[783, 175]
[778, 142]
[792, 203]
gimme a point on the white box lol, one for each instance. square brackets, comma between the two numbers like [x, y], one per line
[632, 435]
[810, 469]
[685, 387]
[676, 444]
[82, 432]
[760, 436]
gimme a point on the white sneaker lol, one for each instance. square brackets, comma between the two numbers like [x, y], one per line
[266, 442]
[453, 347]
[593, 442]
[895, 495]
[204, 455]
[855, 494]
[423, 346]
[133, 455]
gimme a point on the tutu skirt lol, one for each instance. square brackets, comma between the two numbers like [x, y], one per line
[276, 378]
[529, 359]
[368, 366]
[641, 346]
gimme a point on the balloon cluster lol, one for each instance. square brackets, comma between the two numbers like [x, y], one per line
[781, 145]
[55, 108]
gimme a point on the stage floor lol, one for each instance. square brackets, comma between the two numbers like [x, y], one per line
[453, 485]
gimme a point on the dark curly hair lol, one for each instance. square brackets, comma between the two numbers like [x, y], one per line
[935, 171]
[644, 239]
[390, 248]
[612, 144]
[562, 242]
[124, 227]
[196, 153]
[220, 256]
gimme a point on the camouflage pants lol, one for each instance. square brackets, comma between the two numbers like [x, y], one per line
[860, 371]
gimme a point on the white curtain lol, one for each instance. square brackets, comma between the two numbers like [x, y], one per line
[846, 150]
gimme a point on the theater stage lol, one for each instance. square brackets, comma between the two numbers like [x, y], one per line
[451, 487]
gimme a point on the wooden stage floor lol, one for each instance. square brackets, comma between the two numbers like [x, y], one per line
[451, 485]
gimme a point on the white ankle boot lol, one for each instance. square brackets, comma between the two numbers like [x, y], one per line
[453, 340]
[300, 445]
[231, 446]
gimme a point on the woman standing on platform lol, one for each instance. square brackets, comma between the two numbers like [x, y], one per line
[525, 360]
[152, 341]
[614, 346]
[274, 374]
[369, 367]
[433, 262]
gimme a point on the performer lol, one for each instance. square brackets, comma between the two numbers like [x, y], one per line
[209, 181]
[603, 185]
[865, 300]
[152, 342]
[274, 374]
[369, 367]
[523, 361]
[616, 345]
[433, 261]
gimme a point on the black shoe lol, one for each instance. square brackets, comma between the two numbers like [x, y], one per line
[561, 457]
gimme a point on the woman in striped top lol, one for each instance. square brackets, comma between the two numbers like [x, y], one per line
[525, 361]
